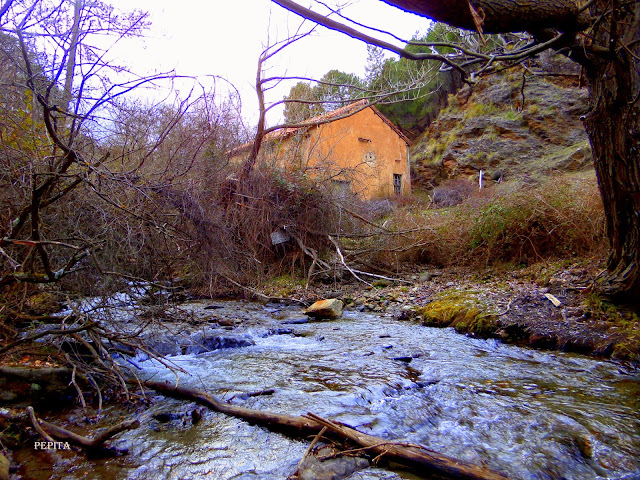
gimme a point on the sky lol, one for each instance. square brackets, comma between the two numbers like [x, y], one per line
[197, 37]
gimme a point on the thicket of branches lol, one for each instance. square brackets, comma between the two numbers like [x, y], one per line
[105, 188]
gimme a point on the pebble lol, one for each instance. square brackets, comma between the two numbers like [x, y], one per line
[404, 359]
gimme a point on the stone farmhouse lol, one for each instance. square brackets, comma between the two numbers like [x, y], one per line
[354, 150]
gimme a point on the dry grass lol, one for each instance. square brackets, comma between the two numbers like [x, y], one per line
[514, 223]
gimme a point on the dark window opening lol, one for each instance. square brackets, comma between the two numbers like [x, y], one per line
[397, 184]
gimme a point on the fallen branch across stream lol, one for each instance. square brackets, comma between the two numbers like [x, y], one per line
[410, 455]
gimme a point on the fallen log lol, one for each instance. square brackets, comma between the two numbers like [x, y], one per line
[277, 421]
[413, 456]
[408, 454]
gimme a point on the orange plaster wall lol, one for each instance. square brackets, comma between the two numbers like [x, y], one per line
[371, 162]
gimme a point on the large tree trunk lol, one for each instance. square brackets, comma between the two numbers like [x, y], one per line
[613, 124]
[499, 16]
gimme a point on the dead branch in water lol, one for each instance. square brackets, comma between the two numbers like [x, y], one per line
[294, 475]
[354, 272]
[407, 454]
[316, 261]
[48, 431]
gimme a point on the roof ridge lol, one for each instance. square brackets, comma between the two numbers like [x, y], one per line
[326, 117]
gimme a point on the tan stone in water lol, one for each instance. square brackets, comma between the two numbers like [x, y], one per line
[328, 308]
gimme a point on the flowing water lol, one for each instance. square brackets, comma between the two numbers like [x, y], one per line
[530, 414]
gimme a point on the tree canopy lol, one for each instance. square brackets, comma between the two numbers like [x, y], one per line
[332, 91]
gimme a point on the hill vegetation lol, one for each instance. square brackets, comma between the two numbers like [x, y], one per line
[514, 125]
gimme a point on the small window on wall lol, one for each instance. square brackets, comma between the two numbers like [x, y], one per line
[341, 188]
[397, 184]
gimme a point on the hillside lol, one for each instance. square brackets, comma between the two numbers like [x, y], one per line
[508, 129]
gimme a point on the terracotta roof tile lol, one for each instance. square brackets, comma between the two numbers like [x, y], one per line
[324, 118]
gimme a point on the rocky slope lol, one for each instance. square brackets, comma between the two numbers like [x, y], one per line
[509, 126]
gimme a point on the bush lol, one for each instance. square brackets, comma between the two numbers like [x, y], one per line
[560, 217]
[233, 238]
[452, 192]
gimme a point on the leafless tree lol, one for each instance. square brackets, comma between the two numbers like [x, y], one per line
[89, 171]
[265, 83]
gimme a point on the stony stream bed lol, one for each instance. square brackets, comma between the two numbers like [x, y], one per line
[529, 414]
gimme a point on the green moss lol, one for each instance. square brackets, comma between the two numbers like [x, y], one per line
[481, 109]
[462, 310]
[561, 153]
[599, 305]
[512, 115]
[430, 150]
[491, 134]
[625, 321]
[626, 351]
[533, 109]
[477, 157]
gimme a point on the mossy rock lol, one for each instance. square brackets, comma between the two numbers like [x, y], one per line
[462, 310]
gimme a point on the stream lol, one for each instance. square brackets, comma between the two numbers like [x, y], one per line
[527, 413]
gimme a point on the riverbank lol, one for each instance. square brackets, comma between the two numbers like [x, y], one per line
[376, 368]
[522, 412]
[515, 306]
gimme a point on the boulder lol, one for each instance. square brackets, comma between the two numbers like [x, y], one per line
[328, 308]
[425, 277]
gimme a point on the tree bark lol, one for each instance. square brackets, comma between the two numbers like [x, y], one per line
[249, 163]
[613, 125]
[500, 16]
